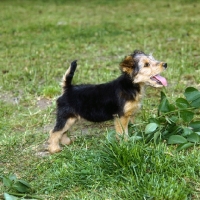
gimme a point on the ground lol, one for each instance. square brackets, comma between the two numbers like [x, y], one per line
[38, 40]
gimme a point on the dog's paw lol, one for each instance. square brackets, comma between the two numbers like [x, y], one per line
[54, 149]
[65, 140]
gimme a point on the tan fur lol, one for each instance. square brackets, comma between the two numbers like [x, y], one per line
[121, 125]
[138, 68]
[130, 108]
[56, 137]
[145, 73]
[65, 140]
[126, 65]
[64, 78]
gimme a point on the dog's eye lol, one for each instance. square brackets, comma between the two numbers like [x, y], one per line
[146, 64]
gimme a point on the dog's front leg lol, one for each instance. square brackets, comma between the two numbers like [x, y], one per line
[121, 125]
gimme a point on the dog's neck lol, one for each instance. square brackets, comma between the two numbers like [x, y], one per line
[131, 90]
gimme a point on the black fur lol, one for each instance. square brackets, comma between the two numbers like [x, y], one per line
[96, 103]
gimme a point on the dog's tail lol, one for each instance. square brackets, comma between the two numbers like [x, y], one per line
[67, 78]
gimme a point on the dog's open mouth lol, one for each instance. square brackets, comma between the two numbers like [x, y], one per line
[159, 79]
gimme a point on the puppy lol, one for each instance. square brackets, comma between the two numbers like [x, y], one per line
[118, 99]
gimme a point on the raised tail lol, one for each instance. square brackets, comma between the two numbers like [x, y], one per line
[67, 78]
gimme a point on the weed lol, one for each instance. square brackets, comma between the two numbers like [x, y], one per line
[176, 121]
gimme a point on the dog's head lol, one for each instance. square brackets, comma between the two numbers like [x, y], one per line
[143, 68]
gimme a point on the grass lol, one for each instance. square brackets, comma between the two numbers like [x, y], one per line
[38, 41]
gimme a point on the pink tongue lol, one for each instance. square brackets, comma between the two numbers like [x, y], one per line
[161, 79]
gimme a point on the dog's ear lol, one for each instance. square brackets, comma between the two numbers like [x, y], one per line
[129, 66]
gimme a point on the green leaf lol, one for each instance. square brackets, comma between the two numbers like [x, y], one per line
[135, 137]
[20, 187]
[151, 128]
[191, 93]
[187, 131]
[25, 183]
[12, 177]
[156, 135]
[193, 96]
[186, 115]
[194, 137]
[196, 103]
[184, 146]
[149, 137]
[7, 182]
[195, 126]
[174, 118]
[198, 133]
[9, 197]
[171, 107]
[174, 129]
[165, 133]
[164, 104]
[176, 139]
[182, 103]
[153, 120]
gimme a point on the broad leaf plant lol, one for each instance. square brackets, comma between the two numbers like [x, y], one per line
[178, 122]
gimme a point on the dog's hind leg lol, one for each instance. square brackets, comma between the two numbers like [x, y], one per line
[65, 140]
[57, 133]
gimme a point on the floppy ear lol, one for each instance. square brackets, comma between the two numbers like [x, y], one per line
[129, 66]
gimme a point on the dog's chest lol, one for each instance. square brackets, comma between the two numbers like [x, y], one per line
[133, 106]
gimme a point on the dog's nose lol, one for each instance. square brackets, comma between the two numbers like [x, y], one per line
[164, 65]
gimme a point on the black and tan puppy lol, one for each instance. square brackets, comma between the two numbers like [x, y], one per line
[97, 103]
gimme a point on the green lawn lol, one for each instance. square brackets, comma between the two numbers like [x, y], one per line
[38, 40]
